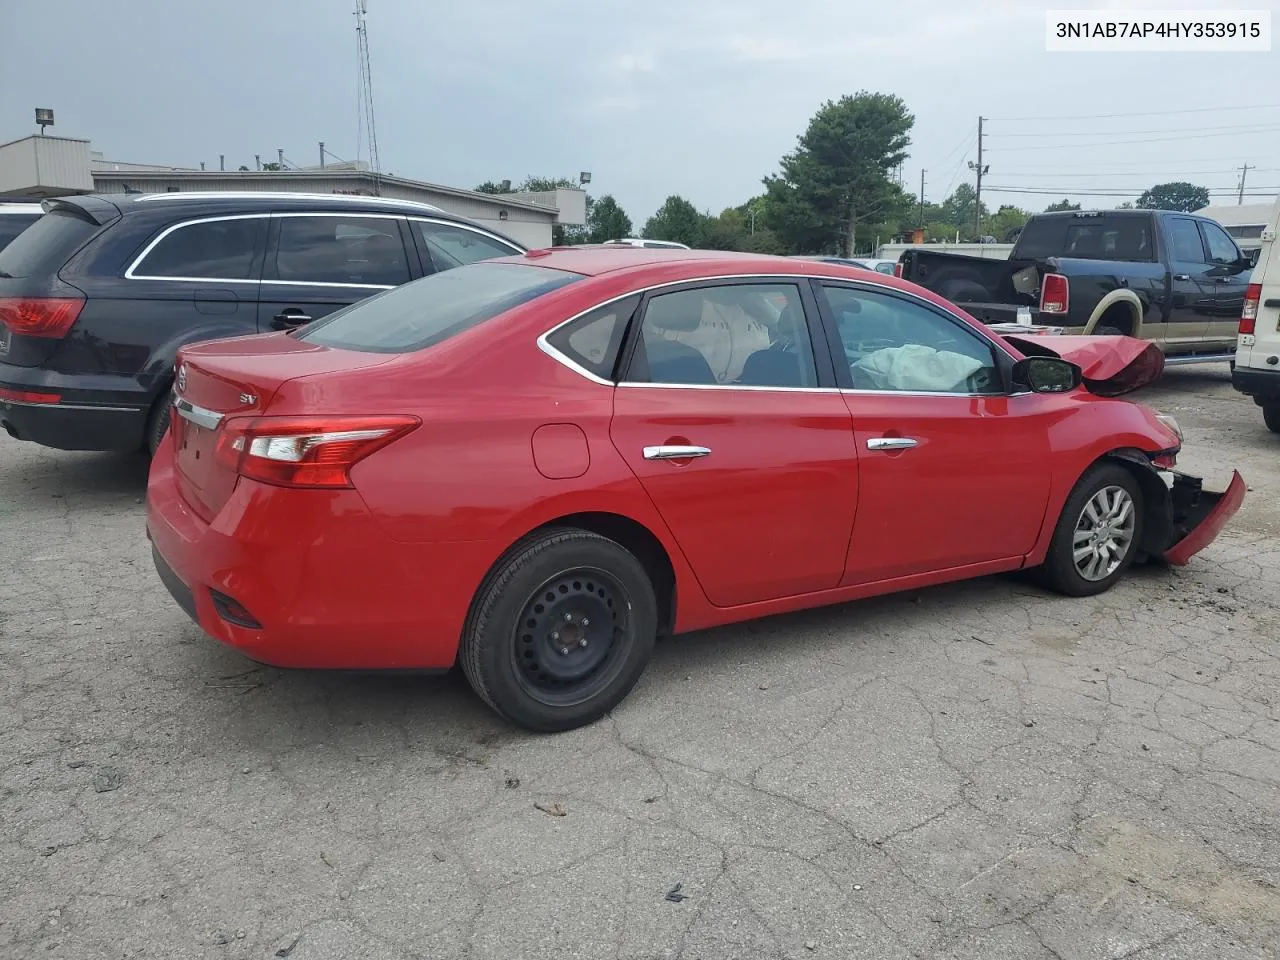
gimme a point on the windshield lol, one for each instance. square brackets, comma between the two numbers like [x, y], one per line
[435, 308]
[45, 245]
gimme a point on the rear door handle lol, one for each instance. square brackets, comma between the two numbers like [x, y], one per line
[891, 443]
[292, 317]
[1182, 276]
[675, 452]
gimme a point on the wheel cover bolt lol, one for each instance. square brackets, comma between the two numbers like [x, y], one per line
[582, 642]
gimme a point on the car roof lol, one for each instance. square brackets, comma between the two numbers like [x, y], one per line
[595, 260]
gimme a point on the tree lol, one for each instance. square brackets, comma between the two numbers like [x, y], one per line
[837, 178]
[1061, 206]
[1178, 195]
[1006, 222]
[960, 206]
[677, 220]
[272, 167]
[243, 168]
[607, 221]
[1127, 205]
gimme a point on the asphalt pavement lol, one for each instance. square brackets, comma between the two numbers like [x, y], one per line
[977, 771]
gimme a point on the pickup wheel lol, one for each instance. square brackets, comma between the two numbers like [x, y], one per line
[1097, 535]
[1271, 416]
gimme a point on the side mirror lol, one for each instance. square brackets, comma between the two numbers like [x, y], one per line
[1047, 375]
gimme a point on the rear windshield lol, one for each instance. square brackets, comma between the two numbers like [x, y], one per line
[45, 245]
[12, 224]
[435, 308]
[1087, 238]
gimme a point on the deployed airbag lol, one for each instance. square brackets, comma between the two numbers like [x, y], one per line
[914, 367]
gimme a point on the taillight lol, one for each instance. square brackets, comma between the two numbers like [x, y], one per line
[897, 269]
[1249, 314]
[28, 396]
[1055, 294]
[313, 452]
[49, 317]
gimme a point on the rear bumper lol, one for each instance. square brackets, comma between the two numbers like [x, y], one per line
[93, 412]
[1262, 385]
[1200, 516]
[327, 586]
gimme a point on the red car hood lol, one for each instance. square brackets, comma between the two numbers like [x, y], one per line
[1111, 366]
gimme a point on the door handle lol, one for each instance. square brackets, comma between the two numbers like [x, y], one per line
[1182, 276]
[291, 317]
[891, 443]
[675, 452]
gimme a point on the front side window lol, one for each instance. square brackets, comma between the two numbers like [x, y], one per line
[451, 246]
[360, 251]
[895, 344]
[593, 341]
[210, 250]
[1221, 248]
[749, 335]
[435, 308]
[1187, 247]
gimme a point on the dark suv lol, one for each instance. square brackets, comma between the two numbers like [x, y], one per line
[97, 296]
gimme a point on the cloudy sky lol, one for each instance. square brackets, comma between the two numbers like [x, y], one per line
[699, 97]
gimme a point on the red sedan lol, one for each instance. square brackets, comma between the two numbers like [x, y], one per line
[534, 466]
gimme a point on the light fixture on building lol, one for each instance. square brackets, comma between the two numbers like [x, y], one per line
[44, 118]
[584, 178]
[502, 214]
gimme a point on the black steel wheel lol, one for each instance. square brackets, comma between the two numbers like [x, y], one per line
[560, 631]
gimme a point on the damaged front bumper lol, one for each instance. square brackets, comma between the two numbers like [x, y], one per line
[1192, 517]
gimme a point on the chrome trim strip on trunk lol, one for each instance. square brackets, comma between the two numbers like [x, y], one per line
[200, 416]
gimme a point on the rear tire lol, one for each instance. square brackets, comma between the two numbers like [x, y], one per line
[1271, 416]
[158, 424]
[1098, 533]
[560, 630]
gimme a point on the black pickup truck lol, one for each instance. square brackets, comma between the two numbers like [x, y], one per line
[1172, 278]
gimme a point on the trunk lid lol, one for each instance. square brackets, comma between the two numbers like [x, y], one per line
[1111, 366]
[216, 382]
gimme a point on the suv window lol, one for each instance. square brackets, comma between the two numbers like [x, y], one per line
[435, 308]
[594, 340]
[450, 246]
[208, 250]
[361, 251]
[742, 334]
[1221, 247]
[45, 245]
[1187, 247]
[895, 344]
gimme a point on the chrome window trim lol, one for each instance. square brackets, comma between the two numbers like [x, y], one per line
[515, 249]
[129, 273]
[545, 346]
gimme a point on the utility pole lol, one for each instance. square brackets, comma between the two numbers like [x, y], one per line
[920, 219]
[980, 169]
[321, 154]
[1244, 172]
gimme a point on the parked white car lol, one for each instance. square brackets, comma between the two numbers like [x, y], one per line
[639, 242]
[1257, 367]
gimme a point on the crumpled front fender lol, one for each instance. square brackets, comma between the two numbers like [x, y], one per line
[1110, 366]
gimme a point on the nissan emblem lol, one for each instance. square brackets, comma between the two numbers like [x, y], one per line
[182, 379]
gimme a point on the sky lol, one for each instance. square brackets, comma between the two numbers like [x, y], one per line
[699, 99]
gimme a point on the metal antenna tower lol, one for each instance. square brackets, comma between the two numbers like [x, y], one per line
[365, 87]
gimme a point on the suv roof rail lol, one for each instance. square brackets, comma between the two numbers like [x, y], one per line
[282, 195]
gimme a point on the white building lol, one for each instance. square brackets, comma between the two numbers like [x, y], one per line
[47, 166]
[1245, 222]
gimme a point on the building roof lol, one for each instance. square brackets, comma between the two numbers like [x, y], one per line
[283, 179]
[1240, 215]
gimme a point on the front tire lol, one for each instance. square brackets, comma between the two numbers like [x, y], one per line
[1098, 533]
[560, 630]
[1271, 416]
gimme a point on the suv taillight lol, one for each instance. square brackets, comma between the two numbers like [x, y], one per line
[1055, 295]
[48, 317]
[1249, 313]
[312, 452]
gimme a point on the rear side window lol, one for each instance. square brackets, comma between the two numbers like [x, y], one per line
[593, 341]
[449, 246]
[1187, 247]
[45, 245]
[359, 251]
[12, 224]
[435, 308]
[207, 250]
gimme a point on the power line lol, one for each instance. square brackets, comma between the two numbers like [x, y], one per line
[1118, 143]
[1145, 176]
[1122, 192]
[1144, 113]
[1129, 163]
[1236, 127]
